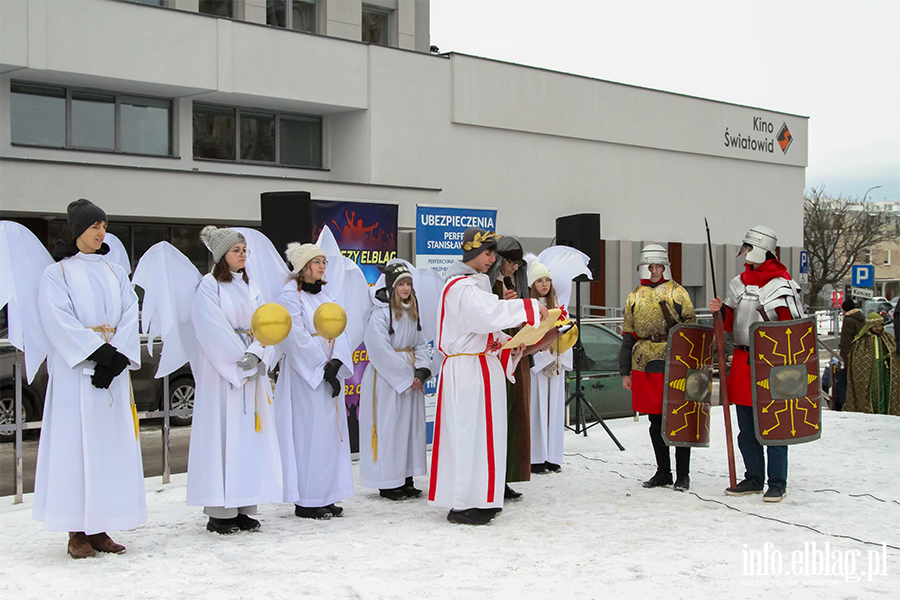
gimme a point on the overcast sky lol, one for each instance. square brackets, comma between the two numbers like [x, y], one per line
[837, 62]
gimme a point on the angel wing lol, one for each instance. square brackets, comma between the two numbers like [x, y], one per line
[565, 264]
[347, 285]
[169, 281]
[117, 253]
[265, 265]
[23, 259]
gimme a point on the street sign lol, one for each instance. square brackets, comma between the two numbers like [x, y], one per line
[804, 263]
[862, 292]
[837, 298]
[804, 278]
[863, 276]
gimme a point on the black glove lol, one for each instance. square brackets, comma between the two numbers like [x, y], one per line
[119, 363]
[102, 377]
[423, 375]
[335, 386]
[332, 367]
[104, 355]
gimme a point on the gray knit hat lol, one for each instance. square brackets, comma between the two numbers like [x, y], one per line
[475, 241]
[219, 241]
[82, 214]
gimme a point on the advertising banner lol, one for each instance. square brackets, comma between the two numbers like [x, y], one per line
[439, 231]
[367, 234]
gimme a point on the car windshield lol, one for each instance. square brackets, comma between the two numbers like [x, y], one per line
[601, 348]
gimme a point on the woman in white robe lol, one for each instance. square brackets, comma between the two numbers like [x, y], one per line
[548, 385]
[90, 477]
[233, 461]
[309, 396]
[392, 401]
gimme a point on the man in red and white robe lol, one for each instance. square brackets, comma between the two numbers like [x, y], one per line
[468, 462]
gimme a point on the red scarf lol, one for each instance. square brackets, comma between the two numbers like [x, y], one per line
[764, 273]
[651, 284]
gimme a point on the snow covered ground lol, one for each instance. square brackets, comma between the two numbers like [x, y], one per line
[591, 531]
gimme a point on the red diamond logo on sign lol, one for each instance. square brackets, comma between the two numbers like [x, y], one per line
[784, 138]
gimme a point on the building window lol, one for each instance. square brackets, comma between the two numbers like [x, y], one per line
[886, 256]
[261, 137]
[299, 15]
[217, 8]
[375, 25]
[57, 117]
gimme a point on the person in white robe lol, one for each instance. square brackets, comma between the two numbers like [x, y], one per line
[468, 460]
[90, 477]
[548, 384]
[233, 462]
[392, 400]
[309, 397]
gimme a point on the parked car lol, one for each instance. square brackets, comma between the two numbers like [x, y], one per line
[602, 384]
[148, 391]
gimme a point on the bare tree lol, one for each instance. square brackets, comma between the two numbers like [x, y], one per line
[836, 232]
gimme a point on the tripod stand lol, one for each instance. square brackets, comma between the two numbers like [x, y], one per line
[577, 396]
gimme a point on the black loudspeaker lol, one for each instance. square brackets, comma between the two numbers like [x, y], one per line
[286, 217]
[582, 232]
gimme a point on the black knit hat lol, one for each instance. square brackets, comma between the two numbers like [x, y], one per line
[82, 214]
[848, 305]
[475, 241]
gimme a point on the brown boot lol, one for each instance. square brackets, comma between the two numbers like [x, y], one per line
[79, 547]
[102, 543]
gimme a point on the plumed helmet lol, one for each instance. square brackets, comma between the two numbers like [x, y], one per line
[762, 240]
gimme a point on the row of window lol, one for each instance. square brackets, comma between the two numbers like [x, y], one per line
[299, 15]
[57, 117]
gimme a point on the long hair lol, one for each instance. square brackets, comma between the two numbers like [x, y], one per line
[551, 295]
[397, 307]
[297, 276]
[221, 272]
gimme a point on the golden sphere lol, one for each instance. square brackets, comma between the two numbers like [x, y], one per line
[566, 340]
[330, 320]
[271, 323]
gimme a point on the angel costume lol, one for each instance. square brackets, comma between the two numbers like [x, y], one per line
[548, 404]
[312, 425]
[468, 461]
[389, 408]
[233, 460]
[90, 476]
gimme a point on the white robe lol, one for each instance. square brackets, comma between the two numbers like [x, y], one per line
[468, 459]
[548, 407]
[90, 476]
[312, 426]
[400, 410]
[230, 464]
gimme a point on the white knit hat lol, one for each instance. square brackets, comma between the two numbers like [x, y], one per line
[220, 241]
[536, 270]
[300, 254]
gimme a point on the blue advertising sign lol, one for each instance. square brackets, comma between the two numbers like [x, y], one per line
[439, 231]
[863, 276]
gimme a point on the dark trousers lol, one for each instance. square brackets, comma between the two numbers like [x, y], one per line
[752, 452]
[839, 389]
[663, 462]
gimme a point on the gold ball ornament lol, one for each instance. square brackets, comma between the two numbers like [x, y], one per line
[566, 340]
[271, 324]
[330, 320]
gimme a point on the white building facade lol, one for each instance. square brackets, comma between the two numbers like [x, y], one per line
[176, 116]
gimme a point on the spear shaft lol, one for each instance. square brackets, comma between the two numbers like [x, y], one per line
[719, 334]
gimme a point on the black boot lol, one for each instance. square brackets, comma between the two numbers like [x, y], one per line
[472, 516]
[312, 513]
[682, 483]
[335, 510]
[658, 480]
[553, 467]
[511, 494]
[222, 526]
[410, 489]
[246, 522]
[539, 469]
[397, 493]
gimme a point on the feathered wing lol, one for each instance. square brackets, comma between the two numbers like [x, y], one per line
[117, 253]
[265, 265]
[347, 285]
[565, 264]
[169, 281]
[23, 259]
